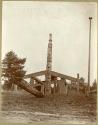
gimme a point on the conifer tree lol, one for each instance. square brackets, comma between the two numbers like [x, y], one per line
[12, 69]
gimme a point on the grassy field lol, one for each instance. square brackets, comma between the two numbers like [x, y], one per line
[75, 107]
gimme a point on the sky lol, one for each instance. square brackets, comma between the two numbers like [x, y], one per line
[25, 30]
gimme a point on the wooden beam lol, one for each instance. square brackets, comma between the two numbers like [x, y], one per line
[56, 74]
[63, 76]
[35, 74]
[27, 87]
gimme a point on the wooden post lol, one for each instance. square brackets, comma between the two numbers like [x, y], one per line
[42, 89]
[89, 57]
[32, 82]
[66, 88]
[55, 84]
[78, 82]
[15, 87]
[62, 87]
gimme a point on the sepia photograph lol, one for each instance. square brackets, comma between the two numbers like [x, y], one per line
[49, 62]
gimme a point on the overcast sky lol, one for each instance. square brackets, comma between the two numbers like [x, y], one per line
[25, 30]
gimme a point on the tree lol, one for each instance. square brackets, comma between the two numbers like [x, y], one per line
[94, 86]
[12, 69]
[82, 81]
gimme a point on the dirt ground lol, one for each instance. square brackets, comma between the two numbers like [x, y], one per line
[24, 107]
